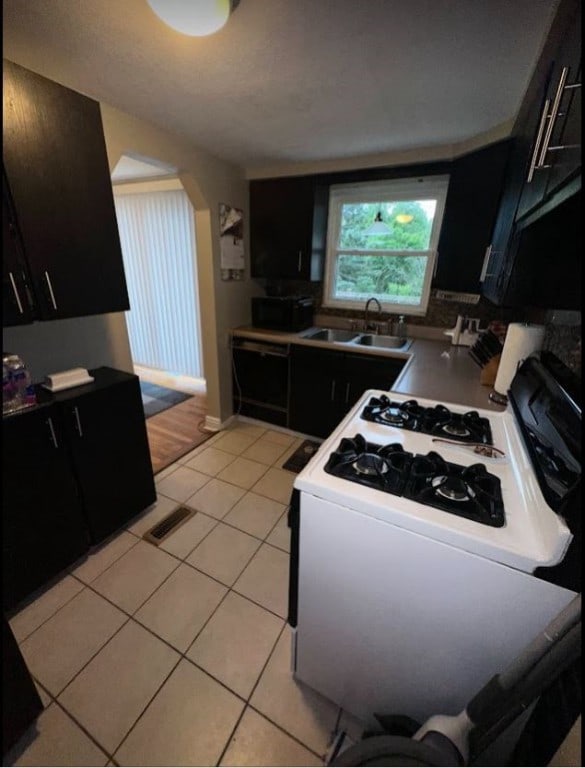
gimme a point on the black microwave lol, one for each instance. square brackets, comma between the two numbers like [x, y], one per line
[282, 313]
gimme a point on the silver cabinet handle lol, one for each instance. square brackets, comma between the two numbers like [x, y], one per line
[48, 279]
[541, 125]
[489, 252]
[553, 116]
[300, 260]
[78, 421]
[53, 435]
[333, 389]
[347, 386]
[16, 296]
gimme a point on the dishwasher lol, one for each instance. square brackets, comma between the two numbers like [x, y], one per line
[260, 379]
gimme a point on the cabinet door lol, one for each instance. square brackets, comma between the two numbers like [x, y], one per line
[316, 390]
[472, 202]
[369, 372]
[556, 138]
[57, 169]
[17, 301]
[43, 524]
[281, 225]
[109, 452]
[564, 153]
[21, 703]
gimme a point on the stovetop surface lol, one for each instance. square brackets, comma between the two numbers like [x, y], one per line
[519, 530]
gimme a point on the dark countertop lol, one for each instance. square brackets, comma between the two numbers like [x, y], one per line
[434, 369]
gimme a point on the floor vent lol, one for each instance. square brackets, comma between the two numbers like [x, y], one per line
[168, 525]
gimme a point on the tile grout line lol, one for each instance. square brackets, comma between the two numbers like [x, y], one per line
[247, 702]
[69, 572]
[182, 655]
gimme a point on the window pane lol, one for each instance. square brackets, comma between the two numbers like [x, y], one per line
[396, 279]
[409, 223]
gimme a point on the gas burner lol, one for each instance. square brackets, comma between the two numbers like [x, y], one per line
[370, 464]
[457, 430]
[452, 488]
[393, 415]
[384, 467]
[470, 492]
[382, 410]
[469, 426]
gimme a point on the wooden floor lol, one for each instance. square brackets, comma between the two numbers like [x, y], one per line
[175, 432]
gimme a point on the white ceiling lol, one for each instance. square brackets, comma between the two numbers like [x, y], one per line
[295, 80]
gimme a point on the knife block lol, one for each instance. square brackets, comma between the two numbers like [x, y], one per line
[489, 372]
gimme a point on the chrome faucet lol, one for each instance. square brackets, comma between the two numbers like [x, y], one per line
[369, 326]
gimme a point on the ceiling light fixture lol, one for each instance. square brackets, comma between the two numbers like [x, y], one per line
[404, 218]
[378, 227]
[194, 17]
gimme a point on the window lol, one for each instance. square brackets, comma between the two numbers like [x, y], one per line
[396, 265]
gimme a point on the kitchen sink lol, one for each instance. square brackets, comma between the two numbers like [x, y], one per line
[331, 334]
[386, 342]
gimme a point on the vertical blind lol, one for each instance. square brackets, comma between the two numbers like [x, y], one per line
[158, 249]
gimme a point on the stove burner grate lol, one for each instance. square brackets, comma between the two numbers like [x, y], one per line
[435, 420]
[384, 467]
[470, 492]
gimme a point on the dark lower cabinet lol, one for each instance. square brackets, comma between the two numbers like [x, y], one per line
[75, 469]
[21, 704]
[43, 525]
[326, 384]
[316, 390]
[108, 445]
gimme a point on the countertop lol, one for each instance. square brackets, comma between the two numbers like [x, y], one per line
[434, 369]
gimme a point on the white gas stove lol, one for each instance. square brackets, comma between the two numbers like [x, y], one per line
[421, 533]
[531, 535]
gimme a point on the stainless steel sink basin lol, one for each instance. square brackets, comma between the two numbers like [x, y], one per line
[386, 342]
[331, 334]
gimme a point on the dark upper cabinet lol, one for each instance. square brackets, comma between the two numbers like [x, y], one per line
[555, 146]
[43, 526]
[288, 219]
[17, 302]
[57, 171]
[542, 174]
[475, 187]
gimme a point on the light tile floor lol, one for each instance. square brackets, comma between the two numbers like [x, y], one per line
[180, 654]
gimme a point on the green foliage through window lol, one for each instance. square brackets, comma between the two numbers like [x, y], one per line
[411, 235]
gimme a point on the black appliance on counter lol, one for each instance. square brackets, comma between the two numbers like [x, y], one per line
[283, 313]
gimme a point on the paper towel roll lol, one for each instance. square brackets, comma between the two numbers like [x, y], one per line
[521, 341]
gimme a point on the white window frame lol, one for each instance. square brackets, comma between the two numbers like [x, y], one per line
[425, 188]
